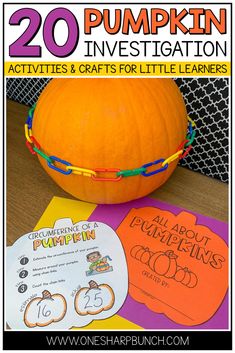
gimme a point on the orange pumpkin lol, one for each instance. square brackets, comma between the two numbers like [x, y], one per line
[186, 277]
[180, 274]
[94, 299]
[190, 280]
[136, 249]
[164, 263]
[42, 311]
[146, 256]
[119, 123]
[193, 280]
[142, 254]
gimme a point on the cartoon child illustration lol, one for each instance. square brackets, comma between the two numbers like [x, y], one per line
[98, 263]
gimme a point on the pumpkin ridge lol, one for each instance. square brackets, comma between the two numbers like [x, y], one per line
[45, 97]
[180, 122]
[85, 147]
[168, 100]
[148, 117]
[164, 176]
[144, 83]
[156, 102]
[153, 157]
[139, 185]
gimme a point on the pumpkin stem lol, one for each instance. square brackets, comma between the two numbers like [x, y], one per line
[93, 284]
[171, 254]
[46, 294]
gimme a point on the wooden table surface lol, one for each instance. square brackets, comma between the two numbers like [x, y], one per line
[30, 189]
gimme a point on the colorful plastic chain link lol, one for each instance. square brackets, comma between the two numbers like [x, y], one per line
[67, 168]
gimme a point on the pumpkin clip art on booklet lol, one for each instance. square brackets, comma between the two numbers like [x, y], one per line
[65, 276]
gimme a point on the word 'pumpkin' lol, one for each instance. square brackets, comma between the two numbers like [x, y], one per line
[110, 123]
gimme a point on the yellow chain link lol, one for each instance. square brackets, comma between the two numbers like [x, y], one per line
[28, 133]
[191, 121]
[81, 171]
[172, 158]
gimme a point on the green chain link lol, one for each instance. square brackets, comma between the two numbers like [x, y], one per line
[43, 155]
[190, 139]
[31, 110]
[131, 172]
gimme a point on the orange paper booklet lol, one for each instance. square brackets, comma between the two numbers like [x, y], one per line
[176, 266]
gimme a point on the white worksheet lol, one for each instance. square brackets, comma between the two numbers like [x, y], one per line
[65, 276]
